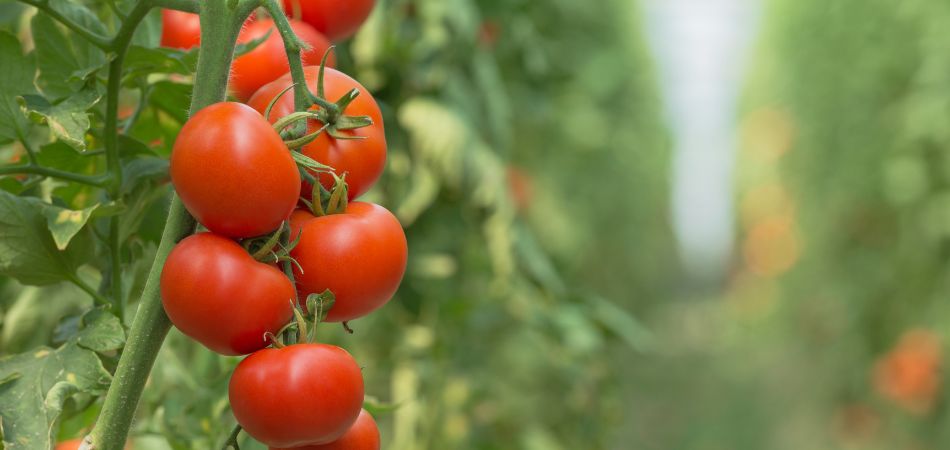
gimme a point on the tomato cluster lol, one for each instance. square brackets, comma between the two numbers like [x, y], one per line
[265, 204]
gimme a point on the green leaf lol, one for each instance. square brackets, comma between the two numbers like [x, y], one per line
[171, 98]
[149, 32]
[65, 60]
[65, 223]
[28, 251]
[35, 387]
[143, 170]
[68, 121]
[100, 331]
[16, 79]
[142, 61]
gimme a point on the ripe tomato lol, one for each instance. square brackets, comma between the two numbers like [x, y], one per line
[359, 255]
[215, 293]
[302, 394]
[362, 160]
[72, 444]
[268, 61]
[363, 435]
[336, 19]
[180, 29]
[233, 171]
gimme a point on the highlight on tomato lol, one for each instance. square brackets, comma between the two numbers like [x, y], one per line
[217, 294]
[233, 172]
[359, 255]
[301, 394]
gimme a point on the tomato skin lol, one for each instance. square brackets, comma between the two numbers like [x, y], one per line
[180, 29]
[268, 61]
[72, 444]
[337, 19]
[218, 295]
[233, 171]
[363, 435]
[302, 394]
[359, 255]
[362, 160]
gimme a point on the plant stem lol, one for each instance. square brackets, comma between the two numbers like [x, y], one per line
[292, 45]
[120, 46]
[93, 38]
[220, 25]
[90, 180]
[99, 299]
[232, 442]
[191, 6]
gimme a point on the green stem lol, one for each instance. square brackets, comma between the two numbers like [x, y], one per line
[292, 45]
[99, 299]
[191, 6]
[220, 25]
[95, 39]
[232, 442]
[120, 47]
[30, 169]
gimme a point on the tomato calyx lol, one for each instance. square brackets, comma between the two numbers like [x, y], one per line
[323, 202]
[303, 328]
[269, 249]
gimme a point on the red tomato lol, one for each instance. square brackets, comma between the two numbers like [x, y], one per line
[359, 255]
[72, 444]
[180, 29]
[233, 171]
[362, 160]
[336, 19]
[216, 294]
[268, 61]
[363, 435]
[302, 394]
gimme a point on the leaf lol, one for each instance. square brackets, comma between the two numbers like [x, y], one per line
[16, 79]
[69, 120]
[35, 387]
[172, 98]
[28, 251]
[100, 331]
[142, 61]
[143, 170]
[65, 60]
[149, 32]
[65, 223]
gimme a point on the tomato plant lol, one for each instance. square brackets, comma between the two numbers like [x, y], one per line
[337, 19]
[359, 255]
[298, 395]
[358, 153]
[252, 184]
[268, 61]
[180, 29]
[217, 294]
[362, 435]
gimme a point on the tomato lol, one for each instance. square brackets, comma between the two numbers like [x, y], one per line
[363, 435]
[218, 295]
[302, 394]
[268, 61]
[180, 29]
[359, 255]
[337, 19]
[233, 171]
[362, 160]
[72, 444]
